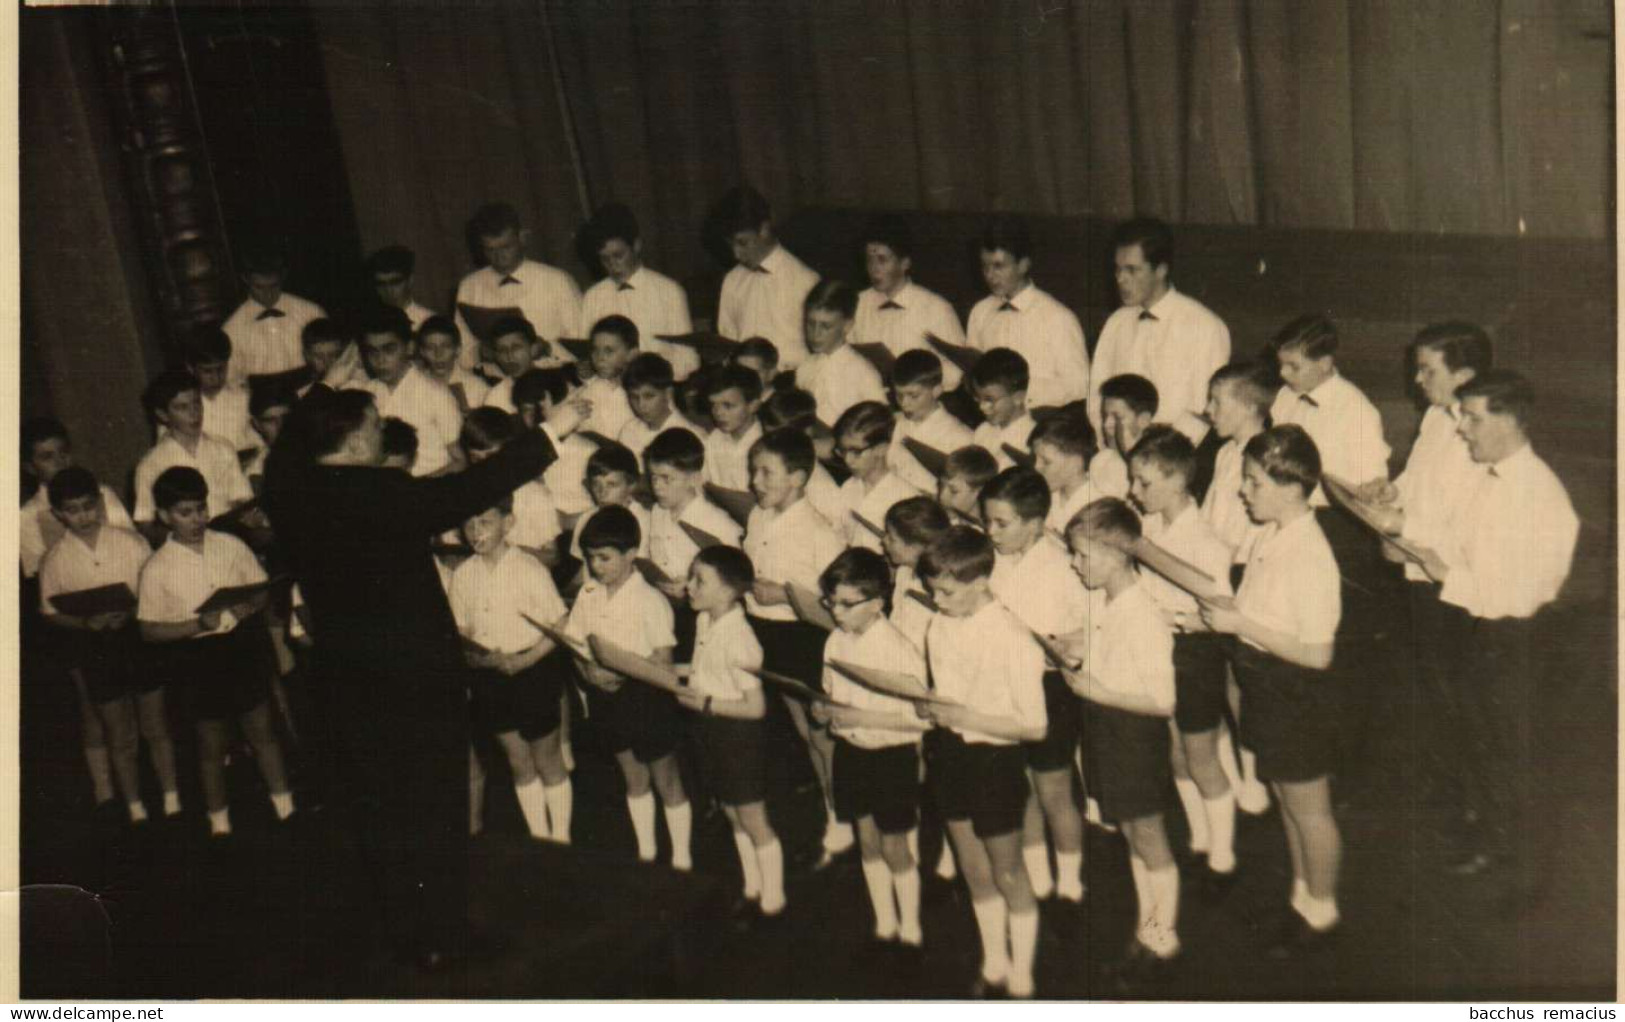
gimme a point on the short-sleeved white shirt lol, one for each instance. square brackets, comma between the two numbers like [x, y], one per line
[883, 648]
[611, 411]
[1189, 538]
[1292, 583]
[226, 416]
[872, 504]
[656, 304]
[989, 663]
[488, 600]
[428, 406]
[727, 460]
[214, 458]
[1222, 507]
[72, 565]
[635, 617]
[941, 431]
[672, 549]
[566, 476]
[1045, 333]
[177, 579]
[911, 617]
[38, 529]
[1131, 647]
[793, 545]
[901, 322]
[536, 519]
[839, 380]
[1345, 426]
[1017, 434]
[636, 436]
[639, 512]
[1040, 588]
[725, 652]
[1063, 509]
[272, 344]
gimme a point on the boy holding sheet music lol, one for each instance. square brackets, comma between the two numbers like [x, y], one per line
[918, 382]
[46, 450]
[796, 409]
[959, 491]
[911, 526]
[174, 399]
[734, 394]
[991, 671]
[999, 382]
[536, 517]
[676, 461]
[835, 374]
[651, 396]
[1064, 453]
[516, 681]
[863, 437]
[216, 657]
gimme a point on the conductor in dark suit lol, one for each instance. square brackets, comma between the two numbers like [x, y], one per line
[358, 536]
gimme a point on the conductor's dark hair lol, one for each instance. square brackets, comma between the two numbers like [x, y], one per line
[384, 319]
[266, 394]
[206, 345]
[859, 567]
[535, 384]
[1505, 393]
[1006, 233]
[176, 484]
[616, 326]
[612, 221]
[791, 446]
[1156, 241]
[36, 431]
[613, 527]
[917, 367]
[324, 331]
[1068, 433]
[1139, 393]
[890, 230]
[71, 483]
[612, 457]
[392, 259]
[493, 219]
[1108, 520]
[324, 419]
[743, 209]
[1000, 367]
[648, 370]
[676, 447]
[487, 429]
[400, 439]
[1287, 455]
[917, 520]
[1020, 487]
[1168, 449]
[1463, 345]
[1312, 333]
[734, 377]
[732, 566]
[963, 554]
[832, 296]
[165, 387]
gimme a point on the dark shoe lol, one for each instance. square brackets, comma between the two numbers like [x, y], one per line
[1066, 918]
[1297, 939]
[742, 913]
[985, 989]
[1211, 887]
[1140, 971]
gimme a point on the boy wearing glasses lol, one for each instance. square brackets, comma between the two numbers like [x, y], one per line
[863, 439]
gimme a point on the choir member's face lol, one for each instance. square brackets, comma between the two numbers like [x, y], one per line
[953, 597]
[184, 414]
[999, 404]
[367, 442]
[1060, 470]
[751, 247]
[853, 611]
[887, 271]
[211, 376]
[81, 515]
[189, 519]
[1153, 489]
[1490, 435]
[1121, 425]
[1229, 414]
[513, 354]
[49, 457]
[955, 493]
[610, 354]
[649, 403]
[1436, 379]
[917, 400]
[731, 412]
[607, 488]
[610, 566]
[672, 486]
[1301, 373]
[439, 352]
[619, 259]
[264, 288]
[826, 330]
[1011, 534]
[486, 530]
[707, 593]
[1266, 500]
[760, 367]
[388, 356]
[775, 486]
[268, 423]
[393, 288]
[319, 357]
[865, 460]
[1004, 273]
[1095, 561]
[899, 551]
[504, 251]
[1138, 282]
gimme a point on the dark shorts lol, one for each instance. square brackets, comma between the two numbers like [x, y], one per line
[635, 718]
[222, 676]
[882, 783]
[684, 621]
[1199, 679]
[1288, 716]
[1237, 573]
[733, 757]
[115, 665]
[527, 702]
[1059, 747]
[986, 784]
[1128, 758]
[793, 648]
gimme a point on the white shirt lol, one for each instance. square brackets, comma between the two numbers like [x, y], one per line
[635, 617]
[1178, 351]
[487, 600]
[1042, 331]
[902, 321]
[1017, 434]
[536, 518]
[725, 652]
[768, 303]
[989, 663]
[1222, 507]
[269, 345]
[214, 458]
[416, 313]
[658, 307]
[911, 617]
[1515, 534]
[1190, 538]
[1439, 474]
[611, 410]
[501, 396]
[1108, 471]
[226, 416]
[544, 295]
[1063, 509]
[73, 566]
[1131, 647]
[793, 545]
[636, 436]
[839, 380]
[428, 406]
[1040, 588]
[941, 430]
[670, 547]
[824, 494]
[1345, 426]
[566, 477]
[38, 529]
[883, 648]
[1292, 584]
[177, 579]
[639, 512]
[872, 503]
[727, 461]
[472, 385]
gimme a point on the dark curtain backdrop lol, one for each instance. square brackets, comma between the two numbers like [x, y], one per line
[1390, 115]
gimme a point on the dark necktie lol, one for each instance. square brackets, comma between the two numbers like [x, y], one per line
[1306, 399]
[1007, 307]
[1146, 314]
[509, 279]
[623, 286]
[270, 314]
[889, 304]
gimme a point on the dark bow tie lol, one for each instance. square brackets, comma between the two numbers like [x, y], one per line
[270, 314]
[1493, 473]
[1146, 314]
[509, 279]
[758, 269]
[889, 304]
[623, 286]
[1306, 399]
[1007, 307]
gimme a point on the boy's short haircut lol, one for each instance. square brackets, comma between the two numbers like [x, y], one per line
[676, 447]
[263, 257]
[612, 221]
[392, 259]
[534, 384]
[742, 209]
[646, 369]
[400, 438]
[1287, 455]
[1505, 393]
[1168, 449]
[613, 457]
[503, 504]
[831, 296]
[614, 527]
[1312, 333]
[266, 394]
[176, 484]
[1139, 393]
[493, 219]
[868, 421]
[487, 428]
[732, 566]
[616, 326]
[324, 331]
[1000, 367]
[166, 387]
[1463, 345]
[36, 431]
[917, 367]
[963, 554]
[1070, 434]
[1006, 233]
[384, 319]
[1156, 241]
[513, 325]
[71, 483]
[792, 446]
[438, 324]
[918, 521]
[859, 567]
[759, 348]
[790, 408]
[1253, 383]
[324, 419]
[890, 230]
[1108, 520]
[972, 463]
[207, 345]
[734, 377]
[1023, 489]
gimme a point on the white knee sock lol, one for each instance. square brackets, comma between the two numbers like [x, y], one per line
[172, 803]
[877, 875]
[1036, 857]
[1023, 949]
[1300, 894]
[642, 809]
[1320, 913]
[770, 859]
[100, 763]
[1069, 875]
[679, 821]
[138, 811]
[1165, 897]
[1190, 796]
[220, 823]
[947, 868]
[907, 886]
[1227, 757]
[990, 922]
[533, 803]
[1249, 767]
[748, 866]
[560, 806]
[282, 802]
[1221, 824]
[838, 836]
[1145, 896]
[914, 844]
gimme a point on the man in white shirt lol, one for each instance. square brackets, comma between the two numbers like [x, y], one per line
[1169, 338]
[265, 330]
[761, 296]
[894, 310]
[1020, 316]
[391, 271]
[652, 301]
[546, 296]
[402, 390]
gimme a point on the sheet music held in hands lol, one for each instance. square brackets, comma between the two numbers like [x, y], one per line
[1362, 510]
[869, 526]
[961, 355]
[738, 503]
[1056, 653]
[482, 319]
[652, 572]
[230, 596]
[109, 599]
[1181, 573]
[797, 688]
[560, 638]
[931, 459]
[891, 683]
[628, 664]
